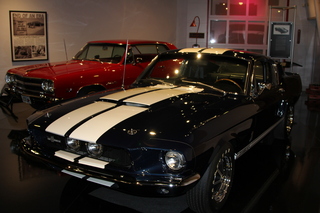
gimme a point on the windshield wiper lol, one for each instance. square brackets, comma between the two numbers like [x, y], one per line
[206, 85]
[157, 81]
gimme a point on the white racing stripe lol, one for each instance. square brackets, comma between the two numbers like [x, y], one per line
[86, 160]
[66, 155]
[93, 162]
[95, 127]
[64, 123]
[160, 95]
[127, 93]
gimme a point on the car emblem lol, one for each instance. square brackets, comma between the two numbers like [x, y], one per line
[132, 131]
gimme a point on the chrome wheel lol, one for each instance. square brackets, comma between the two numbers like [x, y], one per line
[213, 189]
[283, 130]
[222, 177]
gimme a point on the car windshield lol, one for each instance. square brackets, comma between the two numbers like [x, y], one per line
[102, 52]
[217, 72]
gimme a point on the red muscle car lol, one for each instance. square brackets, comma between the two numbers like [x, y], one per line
[99, 65]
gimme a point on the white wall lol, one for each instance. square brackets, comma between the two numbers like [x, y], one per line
[79, 21]
[304, 53]
[186, 11]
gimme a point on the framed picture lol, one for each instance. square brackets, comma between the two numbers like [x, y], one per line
[28, 31]
[280, 39]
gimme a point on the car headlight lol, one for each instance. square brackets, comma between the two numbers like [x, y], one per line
[175, 160]
[94, 149]
[10, 78]
[47, 86]
[73, 144]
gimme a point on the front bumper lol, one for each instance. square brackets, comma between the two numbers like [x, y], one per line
[128, 182]
[34, 98]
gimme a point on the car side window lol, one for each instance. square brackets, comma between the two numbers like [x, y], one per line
[264, 74]
[162, 48]
[269, 77]
[146, 52]
[258, 71]
[275, 73]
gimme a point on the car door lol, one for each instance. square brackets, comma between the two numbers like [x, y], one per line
[267, 94]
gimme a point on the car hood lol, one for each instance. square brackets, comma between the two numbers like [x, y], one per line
[133, 118]
[52, 70]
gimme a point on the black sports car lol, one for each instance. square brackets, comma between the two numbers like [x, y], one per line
[179, 129]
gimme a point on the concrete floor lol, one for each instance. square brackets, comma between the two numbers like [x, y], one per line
[259, 186]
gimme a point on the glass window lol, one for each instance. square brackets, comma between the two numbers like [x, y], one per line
[162, 48]
[276, 74]
[149, 49]
[209, 70]
[256, 33]
[238, 7]
[240, 24]
[258, 8]
[258, 71]
[118, 51]
[219, 8]
[102, 52]
[237, 32]
[271, 74]
[218, 31]
[146, 49]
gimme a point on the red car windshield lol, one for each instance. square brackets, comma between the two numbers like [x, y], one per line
[101, 52]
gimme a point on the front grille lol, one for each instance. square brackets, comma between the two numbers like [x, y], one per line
[51, 143]
[29, 85]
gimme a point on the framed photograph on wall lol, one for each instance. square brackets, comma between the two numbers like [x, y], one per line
[28, 31]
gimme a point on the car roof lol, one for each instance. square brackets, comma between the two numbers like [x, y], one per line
[130, 41]
[224, 51]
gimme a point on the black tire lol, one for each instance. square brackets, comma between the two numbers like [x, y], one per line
[213, 189]
[283, 130]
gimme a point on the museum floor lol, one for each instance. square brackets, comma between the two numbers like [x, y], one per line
[258, 187]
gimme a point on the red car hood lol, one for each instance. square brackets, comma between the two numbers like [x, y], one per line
[52, 70]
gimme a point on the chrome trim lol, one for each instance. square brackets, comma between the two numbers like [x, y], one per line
[191, 180]
[20, 82]
[109, 183]
[255, 141]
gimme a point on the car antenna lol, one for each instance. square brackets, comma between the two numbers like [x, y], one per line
[125, 64]
[65, 48]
